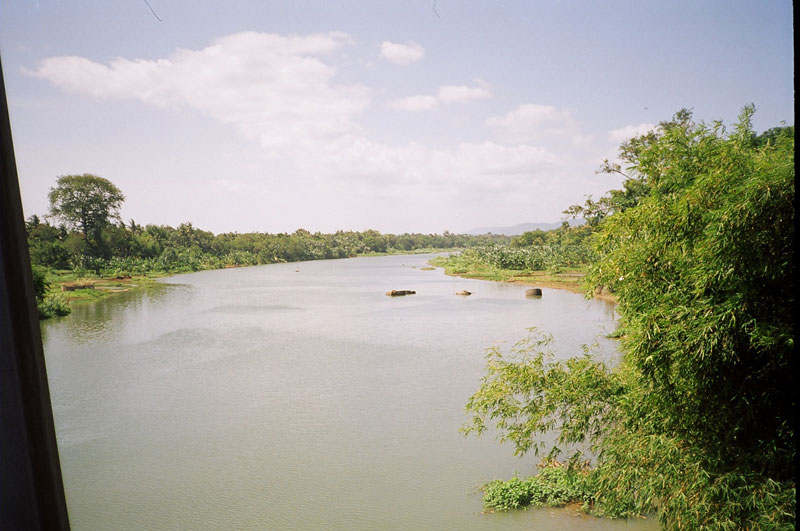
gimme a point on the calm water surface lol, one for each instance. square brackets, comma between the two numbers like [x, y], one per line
[297, 396]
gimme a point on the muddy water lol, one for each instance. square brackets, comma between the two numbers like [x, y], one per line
[297, 396]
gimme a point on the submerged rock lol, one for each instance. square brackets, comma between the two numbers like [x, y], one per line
[400, 292]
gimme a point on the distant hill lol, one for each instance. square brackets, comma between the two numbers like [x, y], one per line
[516, 230]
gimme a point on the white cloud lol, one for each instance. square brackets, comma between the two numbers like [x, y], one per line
[582, 140]
[629, 131]
[418, 170]
[414, 103]
[446, 95]
[273, 89]
[462, 94]
[281, 92]
[402, 54]
[530, 122]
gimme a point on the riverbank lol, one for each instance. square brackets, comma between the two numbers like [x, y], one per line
[67, 288]
[91, 289]
[570, 279]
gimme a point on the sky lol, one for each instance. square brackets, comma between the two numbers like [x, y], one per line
[399, 116]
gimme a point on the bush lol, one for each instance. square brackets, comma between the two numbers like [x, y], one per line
[53, 304]
[555, 485]
[40, 283]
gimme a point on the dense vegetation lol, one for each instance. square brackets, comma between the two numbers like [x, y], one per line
[539, 250]
[696, 424]
[133, 249]
[554, 485]
[554, 258]
[92, 241]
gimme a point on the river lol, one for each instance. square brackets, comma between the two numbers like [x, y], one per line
[298, 396]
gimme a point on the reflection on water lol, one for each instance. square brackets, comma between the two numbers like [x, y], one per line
[267, 397]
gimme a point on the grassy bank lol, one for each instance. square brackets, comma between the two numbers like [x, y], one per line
[78, 289]
[66, 288]
[466, 267]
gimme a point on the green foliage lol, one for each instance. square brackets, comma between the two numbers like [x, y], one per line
[40, 283]
[535, 258]
[86, 203]
[48, 304]
[774, 135]
[554, 485]
[537, 250]
[697, 423]
[53, 304]
[704, 272]
[46, 244]
[504, 495]
[526, 393]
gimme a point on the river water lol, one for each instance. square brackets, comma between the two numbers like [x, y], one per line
[297, 396]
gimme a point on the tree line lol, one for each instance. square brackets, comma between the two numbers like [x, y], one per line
[83, 232]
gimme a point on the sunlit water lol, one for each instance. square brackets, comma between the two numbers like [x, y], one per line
[297, 396]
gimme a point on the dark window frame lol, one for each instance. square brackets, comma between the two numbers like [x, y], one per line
[31, 486]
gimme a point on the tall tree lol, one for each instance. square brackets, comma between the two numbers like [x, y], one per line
[86, 203]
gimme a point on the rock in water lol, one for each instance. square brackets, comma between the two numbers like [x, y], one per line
[533, 292]
[400, 292]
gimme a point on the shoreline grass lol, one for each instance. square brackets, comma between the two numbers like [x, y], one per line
[67, 288]
[568, 278]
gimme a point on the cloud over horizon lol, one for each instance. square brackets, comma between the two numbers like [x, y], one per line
[282, 93]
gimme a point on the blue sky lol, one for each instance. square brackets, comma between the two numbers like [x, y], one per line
[412, 116]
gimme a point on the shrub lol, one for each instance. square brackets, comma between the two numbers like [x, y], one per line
[53, 304]
[555, 485]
